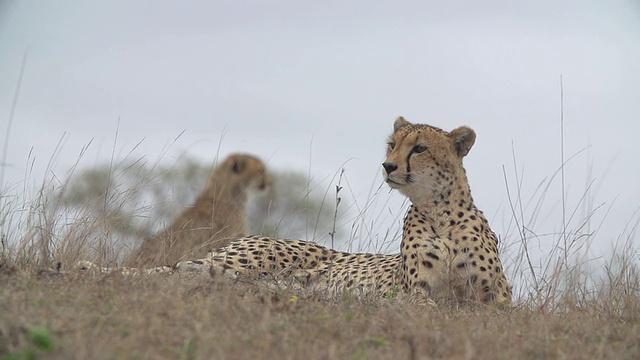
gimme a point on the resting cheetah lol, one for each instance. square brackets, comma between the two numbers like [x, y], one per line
[447, 252]
[448, 249]
[216, 217]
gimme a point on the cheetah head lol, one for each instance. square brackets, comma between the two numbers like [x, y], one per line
[245, 171]
[425, 161]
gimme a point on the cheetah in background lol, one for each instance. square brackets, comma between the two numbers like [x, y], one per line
[216, 218]
[448, 251]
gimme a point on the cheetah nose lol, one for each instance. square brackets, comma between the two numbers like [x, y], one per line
[389, 167]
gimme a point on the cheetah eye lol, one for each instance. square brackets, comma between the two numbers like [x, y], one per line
[419, 149]
[391, 145]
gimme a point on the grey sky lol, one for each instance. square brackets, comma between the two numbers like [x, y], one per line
[314, 85]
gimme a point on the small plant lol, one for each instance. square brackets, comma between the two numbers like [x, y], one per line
[335, 214]
[393, 294]
[189, 348]
[40, 340]
[375, 341]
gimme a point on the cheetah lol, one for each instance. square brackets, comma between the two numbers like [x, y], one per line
[217, 216]
[448, 249]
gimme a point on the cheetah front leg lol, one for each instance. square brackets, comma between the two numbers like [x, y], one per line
[87, 266]
[192, 269]
[427, 269]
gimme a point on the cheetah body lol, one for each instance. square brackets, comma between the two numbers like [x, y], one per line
[311, 264]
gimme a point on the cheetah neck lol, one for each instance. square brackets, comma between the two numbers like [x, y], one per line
[219, 191]
[444, 212]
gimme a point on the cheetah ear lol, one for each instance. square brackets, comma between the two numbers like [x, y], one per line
[463, 139]
[400, 123]
[238, 165]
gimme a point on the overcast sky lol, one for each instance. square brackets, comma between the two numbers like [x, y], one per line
[315, 86]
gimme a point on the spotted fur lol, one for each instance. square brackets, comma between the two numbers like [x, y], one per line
[312, 264]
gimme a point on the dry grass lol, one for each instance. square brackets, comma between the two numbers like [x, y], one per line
[47, 315]
[162, 317]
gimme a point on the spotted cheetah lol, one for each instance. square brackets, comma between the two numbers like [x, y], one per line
[215, 219]
[447, 251]
[447, 248]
